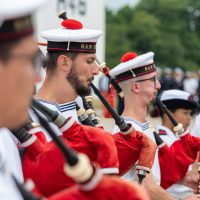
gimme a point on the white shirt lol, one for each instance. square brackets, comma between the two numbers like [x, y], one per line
[79, 101]
[170, 138]
[9, 163]
[196, 127]
[190, 85]
[142, 127]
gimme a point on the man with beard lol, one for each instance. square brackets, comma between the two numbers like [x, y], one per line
[137, 76]
[70, 66]
[18, 55]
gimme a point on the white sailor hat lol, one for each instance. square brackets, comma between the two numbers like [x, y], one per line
[71, 37]
[177, 99]
[133, 66]
[15, 18]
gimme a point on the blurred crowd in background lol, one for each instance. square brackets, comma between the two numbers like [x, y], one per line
[176, 78]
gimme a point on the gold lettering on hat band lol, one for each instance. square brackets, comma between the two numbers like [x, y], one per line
[72, 46]
[88, 46]
[139, 71]
[22, 24]
[149, 67]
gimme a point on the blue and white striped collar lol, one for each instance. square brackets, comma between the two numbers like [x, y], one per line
[144, 126]
[61, 107]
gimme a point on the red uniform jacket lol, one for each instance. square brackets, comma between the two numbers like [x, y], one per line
[111, 188]
[47, 169]
[174, 161]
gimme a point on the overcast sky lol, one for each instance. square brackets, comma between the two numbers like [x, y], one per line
[116, 4]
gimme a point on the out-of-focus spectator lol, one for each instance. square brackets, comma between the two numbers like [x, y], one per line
[191, 84]
[198, 90]
[178, 78]
[108, 92]
[166, 79]
[196, 127]
[159, 73]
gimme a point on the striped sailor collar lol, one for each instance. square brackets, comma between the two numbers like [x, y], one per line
[144, 126]
[168, 131]
[61, 107]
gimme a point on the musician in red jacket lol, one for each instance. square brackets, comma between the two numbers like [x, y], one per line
[70, 67]
[18, 53]
[183, 147]
[52, 179]
[90, 183]
[137, 76]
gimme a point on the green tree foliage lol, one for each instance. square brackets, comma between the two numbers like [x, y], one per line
[161, 26]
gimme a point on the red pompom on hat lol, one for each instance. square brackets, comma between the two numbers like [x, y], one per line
[72, 24]
[128, 56]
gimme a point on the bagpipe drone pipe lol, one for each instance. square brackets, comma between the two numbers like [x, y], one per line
[132, 145]
[91, 183]
[128, 145]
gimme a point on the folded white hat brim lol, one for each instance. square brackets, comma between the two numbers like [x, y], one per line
[174, 94]
[65, 35]
[11, 9]
[139, 61]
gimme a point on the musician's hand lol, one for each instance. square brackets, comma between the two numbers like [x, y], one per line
[193, 197]
[191, 180]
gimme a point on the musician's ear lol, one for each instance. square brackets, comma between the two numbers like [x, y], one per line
[134, 87]
[64, 63]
